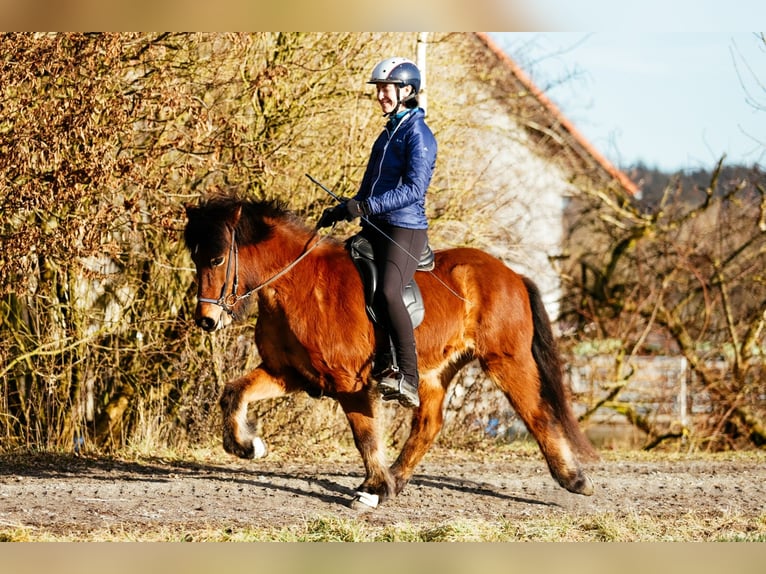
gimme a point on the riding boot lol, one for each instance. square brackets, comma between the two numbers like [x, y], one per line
[396, 386]
[393, 384]
[385, 359]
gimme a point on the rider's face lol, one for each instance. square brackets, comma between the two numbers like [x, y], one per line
[387, 96]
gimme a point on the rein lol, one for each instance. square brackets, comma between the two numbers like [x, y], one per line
[228, 301]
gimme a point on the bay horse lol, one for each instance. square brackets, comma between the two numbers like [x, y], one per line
[313, 334]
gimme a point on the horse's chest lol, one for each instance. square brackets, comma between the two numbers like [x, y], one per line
[278, 340]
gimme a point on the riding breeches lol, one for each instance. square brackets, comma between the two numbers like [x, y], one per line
[397, 251]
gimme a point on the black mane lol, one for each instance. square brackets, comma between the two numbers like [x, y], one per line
[208, 220]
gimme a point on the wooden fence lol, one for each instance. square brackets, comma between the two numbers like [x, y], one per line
[661, 389]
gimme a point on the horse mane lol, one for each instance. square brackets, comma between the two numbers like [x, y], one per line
[209, 219]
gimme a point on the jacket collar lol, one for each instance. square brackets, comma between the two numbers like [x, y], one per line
[394, 121]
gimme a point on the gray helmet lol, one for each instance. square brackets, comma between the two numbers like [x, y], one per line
[399, 71]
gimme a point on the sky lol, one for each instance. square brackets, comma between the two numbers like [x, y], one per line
[671, 100]
[674, 84]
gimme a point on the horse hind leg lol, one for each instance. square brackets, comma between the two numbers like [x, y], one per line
[239, 437]
[550, 425]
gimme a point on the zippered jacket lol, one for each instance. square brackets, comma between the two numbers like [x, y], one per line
[400, 168]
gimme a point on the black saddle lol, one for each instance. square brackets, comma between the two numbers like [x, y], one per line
[361, 253]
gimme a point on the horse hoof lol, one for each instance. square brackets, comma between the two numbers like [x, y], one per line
[583, 485]
[259, 448]
[364, 501]
[587, 489]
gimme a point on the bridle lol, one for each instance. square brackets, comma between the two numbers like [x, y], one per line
[227, 301]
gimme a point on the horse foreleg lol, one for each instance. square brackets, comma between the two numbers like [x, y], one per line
[427, 421]
[361, 410]
[239, 437]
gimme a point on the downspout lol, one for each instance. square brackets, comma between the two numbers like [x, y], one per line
[421, 62]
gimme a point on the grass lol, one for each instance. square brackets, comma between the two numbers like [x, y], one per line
[601, 528]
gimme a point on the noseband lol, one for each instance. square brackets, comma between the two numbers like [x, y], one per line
[227, 301]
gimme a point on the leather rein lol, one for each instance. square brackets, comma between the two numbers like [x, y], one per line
[227, 301]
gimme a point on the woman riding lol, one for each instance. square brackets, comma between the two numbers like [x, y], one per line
[391, 204]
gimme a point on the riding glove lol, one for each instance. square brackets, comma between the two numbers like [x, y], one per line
[332, 215]
[357, 208]
[347, 211]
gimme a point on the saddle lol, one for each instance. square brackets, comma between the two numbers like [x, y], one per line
[361, 253]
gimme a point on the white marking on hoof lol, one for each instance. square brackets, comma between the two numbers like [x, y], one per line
[259, 447]
[370, 500]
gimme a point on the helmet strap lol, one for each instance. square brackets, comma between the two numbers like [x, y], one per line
[399, 102]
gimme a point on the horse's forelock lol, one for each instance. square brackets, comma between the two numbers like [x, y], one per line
[205, 226]
[208, 221]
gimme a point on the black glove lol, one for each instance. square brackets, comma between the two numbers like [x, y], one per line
[357, 208]
[332, 215]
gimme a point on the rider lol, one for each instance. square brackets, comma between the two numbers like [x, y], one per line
[391, 203]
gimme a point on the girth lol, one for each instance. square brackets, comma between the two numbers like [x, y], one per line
[362, 254]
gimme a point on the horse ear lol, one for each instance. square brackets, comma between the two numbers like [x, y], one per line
[189, 208]
[236, 215]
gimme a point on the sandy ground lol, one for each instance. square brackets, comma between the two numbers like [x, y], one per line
[62, 493]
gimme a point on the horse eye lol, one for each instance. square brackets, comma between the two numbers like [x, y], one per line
[217, 261]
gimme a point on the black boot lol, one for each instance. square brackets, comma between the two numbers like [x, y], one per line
[395, 386]
[382, 365]
[384, 361]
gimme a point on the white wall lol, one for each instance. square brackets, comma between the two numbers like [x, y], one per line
[516, 198]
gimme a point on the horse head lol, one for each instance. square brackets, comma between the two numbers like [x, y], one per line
[211, 238]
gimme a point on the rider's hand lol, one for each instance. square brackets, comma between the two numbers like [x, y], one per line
[356, 208]
[332, 215]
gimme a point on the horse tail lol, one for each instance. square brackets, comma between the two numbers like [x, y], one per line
[552, 389]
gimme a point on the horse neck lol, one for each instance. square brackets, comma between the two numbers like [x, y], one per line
[261, 261]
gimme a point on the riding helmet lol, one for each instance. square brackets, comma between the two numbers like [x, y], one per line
[400, 71]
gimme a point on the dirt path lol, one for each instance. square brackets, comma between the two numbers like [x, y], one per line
[63, 492]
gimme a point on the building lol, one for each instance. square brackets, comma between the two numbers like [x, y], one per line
[516, 156]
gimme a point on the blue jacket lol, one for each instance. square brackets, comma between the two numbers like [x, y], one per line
[401, 164]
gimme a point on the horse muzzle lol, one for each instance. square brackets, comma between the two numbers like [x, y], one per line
[211, 320]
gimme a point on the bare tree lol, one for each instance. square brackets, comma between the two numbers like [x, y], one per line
[108, 136]
[683, 278]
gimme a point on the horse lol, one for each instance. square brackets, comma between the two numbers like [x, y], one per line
[313, 334]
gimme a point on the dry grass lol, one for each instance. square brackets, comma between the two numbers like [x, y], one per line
[602, 528]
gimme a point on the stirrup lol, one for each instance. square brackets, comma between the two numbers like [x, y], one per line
[382, 370]
[395, 387]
